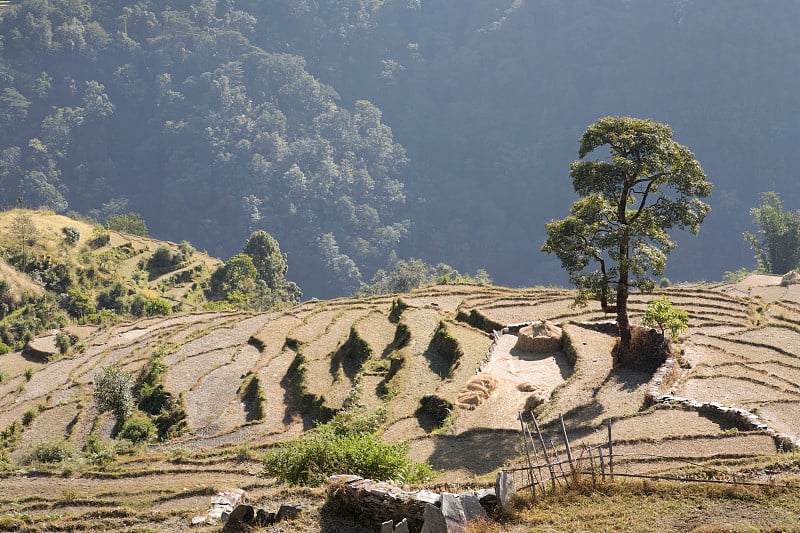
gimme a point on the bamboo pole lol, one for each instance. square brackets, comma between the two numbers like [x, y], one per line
[610, 451]
[544, 451]
[528, 455]
[566, 441]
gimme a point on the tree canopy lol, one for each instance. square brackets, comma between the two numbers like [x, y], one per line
[615, 239]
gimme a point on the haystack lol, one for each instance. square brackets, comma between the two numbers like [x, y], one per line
[541, 336]
[476, 391]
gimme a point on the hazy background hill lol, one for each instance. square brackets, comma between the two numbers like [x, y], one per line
[358, 131]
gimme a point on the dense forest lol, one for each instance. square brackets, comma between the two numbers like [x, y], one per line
[358, 132]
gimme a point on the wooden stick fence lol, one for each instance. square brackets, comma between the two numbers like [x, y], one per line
[546, 468]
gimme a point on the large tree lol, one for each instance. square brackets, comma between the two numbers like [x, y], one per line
[615, 239]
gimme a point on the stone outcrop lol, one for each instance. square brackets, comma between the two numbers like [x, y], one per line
[538, 337]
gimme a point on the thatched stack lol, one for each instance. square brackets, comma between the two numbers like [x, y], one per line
[541, 336]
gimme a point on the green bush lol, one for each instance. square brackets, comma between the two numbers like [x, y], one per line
[4, 348]
[157, 307]
[50, 452]
[113, 391]
[661, 313]
[100, 237]
[323, 452]
[138, 429]
[71, 235]
[98, 453]
[29, 416]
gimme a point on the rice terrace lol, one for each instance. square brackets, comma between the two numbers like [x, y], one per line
[248, 382]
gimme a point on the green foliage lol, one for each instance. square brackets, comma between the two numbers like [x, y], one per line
[128, 223]
[777, 244]
[4, 349]
[50, 453]
[137, 429]
[100, 237]
[736, 276]
[71, 235]
[29, 416]
[113, 391]
[163, 260]
[238, 274]
[407, 275]
[63, 342]
[157, 307]
[25, 234]
[167, 412]
[346, 445]
[615, 238]
[267, 258]
[661, 313]
[28, 374]
[98, 453]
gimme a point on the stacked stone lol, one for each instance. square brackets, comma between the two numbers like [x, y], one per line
[386, 504]
[743, 418]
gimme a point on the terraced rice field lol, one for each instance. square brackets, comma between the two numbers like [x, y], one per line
[741, 351]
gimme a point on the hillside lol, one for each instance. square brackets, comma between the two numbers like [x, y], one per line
[741, 351]
[56, 270]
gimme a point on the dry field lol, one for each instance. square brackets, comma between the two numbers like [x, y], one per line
[741, 351]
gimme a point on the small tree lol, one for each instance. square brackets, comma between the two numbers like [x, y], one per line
[113, 391]
[25, 233]
[648, 185]
[661, 313]
[267, 258]
[777, 244]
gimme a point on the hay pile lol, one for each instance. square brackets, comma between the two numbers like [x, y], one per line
[541, 336]
[476, 391]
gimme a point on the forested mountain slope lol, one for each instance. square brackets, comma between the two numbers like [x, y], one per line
[214, 118]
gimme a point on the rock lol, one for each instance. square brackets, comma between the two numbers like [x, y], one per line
[263, 518]
[387, 527]
[402, 527]
[240, 518]
[541, 336]
[222, 505]
[504, 488]
[434, 521]
[290, 512]
[790, 278]
[198, 520]
[473, 510]
[453, 511]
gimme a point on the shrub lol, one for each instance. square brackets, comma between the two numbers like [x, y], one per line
[113, 391]
[50, 452]
[157, 307]
[63, 342]
[98, 453]
[162, 261]
[324, 452]
[28, 374]
[71, 235]
[4, 349]
[138, 429]
[29, 416]
[661, 313]
[100, 237]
